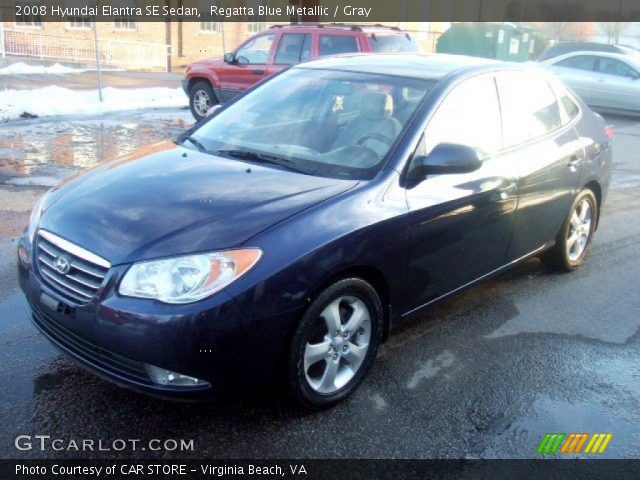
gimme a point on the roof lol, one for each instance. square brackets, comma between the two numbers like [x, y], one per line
[425, 66]
[376, 28]
[634, 59]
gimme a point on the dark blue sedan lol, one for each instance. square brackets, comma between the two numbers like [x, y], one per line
[282, 239]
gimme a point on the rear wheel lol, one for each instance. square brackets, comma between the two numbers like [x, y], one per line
[201, 99]
[575, 237]
[335, 344]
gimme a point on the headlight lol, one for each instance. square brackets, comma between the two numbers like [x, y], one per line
[189, 278]
[35, 217]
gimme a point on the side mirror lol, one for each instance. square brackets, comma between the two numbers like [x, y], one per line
[230, 57]
[445, 158]
[240, 60]
[213, 110]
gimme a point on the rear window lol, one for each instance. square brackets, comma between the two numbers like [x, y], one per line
[336, 44]
[392, 43]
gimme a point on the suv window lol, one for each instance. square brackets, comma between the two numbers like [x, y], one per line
[529, 107]
[256, 50]
[335, 44]
[580, 62]
[293, 48]
[469, 115]
[612, 66]
[392, 43]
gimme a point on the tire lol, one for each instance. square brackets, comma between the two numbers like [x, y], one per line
[201, 99]
[350, 355]
[567, 257]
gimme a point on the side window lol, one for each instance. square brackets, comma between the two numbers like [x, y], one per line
[570, 108]
[579, 62]
[256, 50]
[469, 115]
[335, 44]
[611, 66]
[292, 47]
[529, 107]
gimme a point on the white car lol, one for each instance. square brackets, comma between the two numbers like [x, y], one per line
[608, 82]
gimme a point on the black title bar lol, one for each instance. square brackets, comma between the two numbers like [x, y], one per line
[344, 11]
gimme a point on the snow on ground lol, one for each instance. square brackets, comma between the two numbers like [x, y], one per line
[48, 101]
[21, 68]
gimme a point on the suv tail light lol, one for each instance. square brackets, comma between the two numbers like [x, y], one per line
[608, 131]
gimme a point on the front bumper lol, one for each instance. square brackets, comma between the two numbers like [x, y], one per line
[185, 85]
[113, 337]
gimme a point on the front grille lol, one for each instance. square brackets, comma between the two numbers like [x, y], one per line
[86, 270]
[90, 352]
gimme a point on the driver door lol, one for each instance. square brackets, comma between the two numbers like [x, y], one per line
[460, 224]
[251, 64]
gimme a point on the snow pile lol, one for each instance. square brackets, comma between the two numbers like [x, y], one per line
[22, 68]
[48, 101]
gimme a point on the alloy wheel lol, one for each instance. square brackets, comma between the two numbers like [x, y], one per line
[201, 102]
[338, 345]
[579, 230]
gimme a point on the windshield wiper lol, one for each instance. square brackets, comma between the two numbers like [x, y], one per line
[196, 142]
[260, 158]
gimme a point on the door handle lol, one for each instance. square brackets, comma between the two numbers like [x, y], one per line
[257, 72]
[574, 161]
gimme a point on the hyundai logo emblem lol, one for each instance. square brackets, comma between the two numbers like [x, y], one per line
[62, 265]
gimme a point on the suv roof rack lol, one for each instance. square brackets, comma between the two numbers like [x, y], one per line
[355, 28]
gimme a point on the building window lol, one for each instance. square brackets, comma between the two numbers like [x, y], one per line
[256, 27]
[80, 23]
[208, 26]
[125, 23]
[33, 19]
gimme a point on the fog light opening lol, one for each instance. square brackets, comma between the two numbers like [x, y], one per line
[168, 378]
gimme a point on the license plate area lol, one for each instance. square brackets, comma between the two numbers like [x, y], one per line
[55, 305]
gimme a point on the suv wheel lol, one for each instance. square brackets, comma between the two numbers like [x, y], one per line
[201, 99]
[335, 344]
[575, 237]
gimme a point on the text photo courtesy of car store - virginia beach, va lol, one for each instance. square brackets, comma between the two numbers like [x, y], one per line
[364, 239]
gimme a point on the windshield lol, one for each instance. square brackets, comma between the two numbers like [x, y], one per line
[319, 122]
[393, 44]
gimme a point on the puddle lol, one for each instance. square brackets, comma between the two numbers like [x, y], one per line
[558, 416]
[28, 181]
[51, 150]
[20, 339]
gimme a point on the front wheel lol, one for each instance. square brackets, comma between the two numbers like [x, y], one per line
[575, 237]
[201, 99]
[335, 344]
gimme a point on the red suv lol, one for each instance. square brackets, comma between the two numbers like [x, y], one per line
[220, 79]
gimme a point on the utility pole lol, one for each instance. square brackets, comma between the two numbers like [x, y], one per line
[97, 49]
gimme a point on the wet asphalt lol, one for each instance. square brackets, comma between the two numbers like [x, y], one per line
[485, 374]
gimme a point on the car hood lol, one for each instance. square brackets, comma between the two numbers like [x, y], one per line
[167, 200]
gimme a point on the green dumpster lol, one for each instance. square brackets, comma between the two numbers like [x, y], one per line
[501, 41]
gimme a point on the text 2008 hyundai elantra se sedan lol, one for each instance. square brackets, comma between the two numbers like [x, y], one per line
[284, 237]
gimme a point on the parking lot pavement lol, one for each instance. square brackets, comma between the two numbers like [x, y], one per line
[486, 374]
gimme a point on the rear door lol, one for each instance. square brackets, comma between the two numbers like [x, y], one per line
[252, 64]
[618, 85]
[547, 152]
[579, 72]
[337, 43]
[461, 223]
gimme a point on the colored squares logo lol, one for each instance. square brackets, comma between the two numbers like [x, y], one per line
[574, 443]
